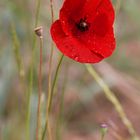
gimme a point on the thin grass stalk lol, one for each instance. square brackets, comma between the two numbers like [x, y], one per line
[28, 104]
[54, 81]
[48, 127]
[37, 12]
[31, 73]
[117, 6]
[16, 48]
[38, 129]
[52, 12]
[51, 57]
[51, 54]
[49, 101]
[113, 99]
[60, 115]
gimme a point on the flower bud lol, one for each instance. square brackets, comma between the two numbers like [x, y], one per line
[39, 31]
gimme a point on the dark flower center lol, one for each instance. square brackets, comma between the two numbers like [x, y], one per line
[82, 25]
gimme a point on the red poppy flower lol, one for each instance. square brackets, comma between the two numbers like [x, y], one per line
[84, 31]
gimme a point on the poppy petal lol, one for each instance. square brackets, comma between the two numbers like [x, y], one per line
[72, 12]
[103, 45]
[69, 13]
[84, 31]
[71, 47]
[93, 8]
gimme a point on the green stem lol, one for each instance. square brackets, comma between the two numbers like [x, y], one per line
[60, 114]
[113, 99]
[16, 48]
[50, 96]
[38, 128]
[117, 6]
[37, 12]
[52, 13]
[54, 81]
[47, 127]
[31, 73]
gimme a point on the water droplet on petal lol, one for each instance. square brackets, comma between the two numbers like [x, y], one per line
[76, 58]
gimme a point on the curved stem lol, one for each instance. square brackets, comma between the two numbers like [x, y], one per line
[47, 127]
[113, 99]
[50, 97]
[54, 82]
[60, 117]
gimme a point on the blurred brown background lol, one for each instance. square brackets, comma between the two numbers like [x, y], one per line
[85, 106]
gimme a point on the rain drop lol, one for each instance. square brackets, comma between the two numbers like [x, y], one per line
[76, 58]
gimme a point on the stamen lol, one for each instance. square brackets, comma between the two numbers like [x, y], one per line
[82, 25]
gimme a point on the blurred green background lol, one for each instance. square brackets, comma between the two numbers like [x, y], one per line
[85, 106]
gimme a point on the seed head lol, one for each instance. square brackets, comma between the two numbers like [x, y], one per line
[39, 31]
